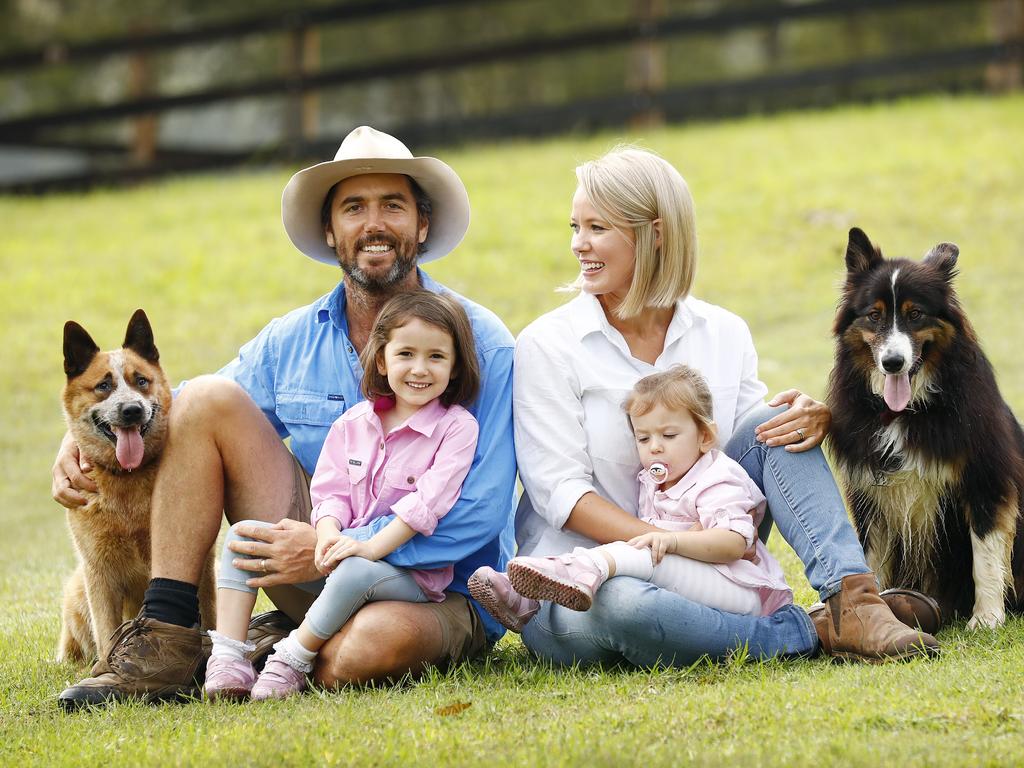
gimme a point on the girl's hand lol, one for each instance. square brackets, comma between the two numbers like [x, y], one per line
[345, 547]
[325, 539]
[802, 426]
[660, 543]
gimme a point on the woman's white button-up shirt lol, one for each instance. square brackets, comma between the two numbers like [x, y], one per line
[572, 372]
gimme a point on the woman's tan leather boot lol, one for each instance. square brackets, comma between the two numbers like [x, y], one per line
[855, 624]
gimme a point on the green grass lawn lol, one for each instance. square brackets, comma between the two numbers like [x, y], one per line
[208, 260]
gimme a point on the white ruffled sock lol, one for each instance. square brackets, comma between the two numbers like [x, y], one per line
[225, 647]
[295, 654]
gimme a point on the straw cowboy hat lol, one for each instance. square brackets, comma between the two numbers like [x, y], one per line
[367, 150]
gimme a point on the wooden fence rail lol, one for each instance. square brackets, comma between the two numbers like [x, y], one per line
[303, 80]
[269, 23]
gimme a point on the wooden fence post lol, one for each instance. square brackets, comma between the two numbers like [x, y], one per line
[145, 128]
[311, 98]
[1006, 25]
[302, 121]
[646, 78]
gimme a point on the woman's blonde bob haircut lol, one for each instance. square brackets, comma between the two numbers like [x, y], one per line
[631, 188]
[680, 388]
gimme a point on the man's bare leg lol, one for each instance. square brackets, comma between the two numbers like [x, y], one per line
[382, 642]
[222, 454]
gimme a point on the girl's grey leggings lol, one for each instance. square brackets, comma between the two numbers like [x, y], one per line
[355, 582]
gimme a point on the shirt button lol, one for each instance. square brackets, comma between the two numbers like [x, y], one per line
[350, 350]
[410, 479]
[382, 446]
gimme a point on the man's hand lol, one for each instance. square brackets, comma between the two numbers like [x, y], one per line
[280, 554]
[70, 475]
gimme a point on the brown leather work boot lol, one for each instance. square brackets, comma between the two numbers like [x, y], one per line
[148, 660]
[856, 625]
[915, 609]
[265, 630]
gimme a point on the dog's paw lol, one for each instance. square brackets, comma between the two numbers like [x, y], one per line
[986, 620]
[69, 655]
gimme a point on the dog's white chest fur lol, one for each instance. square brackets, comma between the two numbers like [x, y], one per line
[907, 498]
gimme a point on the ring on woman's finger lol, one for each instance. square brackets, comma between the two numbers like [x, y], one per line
[263, 565]
[800, 431]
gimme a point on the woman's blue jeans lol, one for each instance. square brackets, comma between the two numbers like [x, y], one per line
[634, 622]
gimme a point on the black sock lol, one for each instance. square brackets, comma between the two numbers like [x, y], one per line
[171, 601]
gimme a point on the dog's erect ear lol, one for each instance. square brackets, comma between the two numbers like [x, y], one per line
[943, 258]
[79, 349]
[861, 254]
[139, 337]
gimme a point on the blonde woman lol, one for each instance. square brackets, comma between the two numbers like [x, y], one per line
[634, 237]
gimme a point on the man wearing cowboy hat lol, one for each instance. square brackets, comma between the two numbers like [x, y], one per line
[379, 212]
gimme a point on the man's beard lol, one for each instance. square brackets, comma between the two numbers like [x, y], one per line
[406, 255]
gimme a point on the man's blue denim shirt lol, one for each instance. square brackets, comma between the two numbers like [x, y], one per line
[303, 372]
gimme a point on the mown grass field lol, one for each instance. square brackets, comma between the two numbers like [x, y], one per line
[209, 261]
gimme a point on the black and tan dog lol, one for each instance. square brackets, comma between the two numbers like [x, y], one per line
[930, 454]
[116, 405]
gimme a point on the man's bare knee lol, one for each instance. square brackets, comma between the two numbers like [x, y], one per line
[223, 455]
[206, 400]
[379, 644]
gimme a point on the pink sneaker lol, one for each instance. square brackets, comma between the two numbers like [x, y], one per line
[494, 592]
[278, 680]
[228, 678]
[564, 579]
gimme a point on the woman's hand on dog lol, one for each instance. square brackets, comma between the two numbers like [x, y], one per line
[280, 554]
[802, 426]
[70, 475]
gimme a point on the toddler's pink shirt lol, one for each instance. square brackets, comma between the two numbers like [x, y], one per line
[718, 493]
[415, 472]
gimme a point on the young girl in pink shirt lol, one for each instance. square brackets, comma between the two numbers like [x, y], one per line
[404, 451]
[706, 506]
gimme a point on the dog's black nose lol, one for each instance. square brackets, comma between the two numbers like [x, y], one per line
[892, 363]
[131, 413]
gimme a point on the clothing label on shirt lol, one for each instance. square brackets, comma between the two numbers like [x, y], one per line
[355, 462]
[336, 397]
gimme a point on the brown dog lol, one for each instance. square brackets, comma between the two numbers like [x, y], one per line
[116, 405]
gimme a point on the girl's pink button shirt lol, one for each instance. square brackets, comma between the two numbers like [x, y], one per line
[415, 472]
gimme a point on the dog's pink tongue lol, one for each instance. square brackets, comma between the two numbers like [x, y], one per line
[129, 447]
[896, 391]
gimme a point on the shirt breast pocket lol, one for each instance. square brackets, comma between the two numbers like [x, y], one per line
[308, 409]
[401, 479]
[357, 471]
